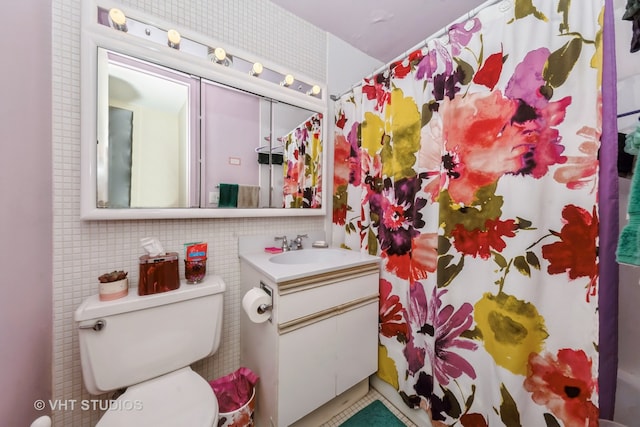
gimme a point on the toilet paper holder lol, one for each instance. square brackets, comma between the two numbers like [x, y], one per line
[263, 308]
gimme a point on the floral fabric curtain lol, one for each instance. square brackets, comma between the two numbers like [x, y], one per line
[471, 169]
[302, 160]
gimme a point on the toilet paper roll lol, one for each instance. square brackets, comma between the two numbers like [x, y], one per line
[251, 303]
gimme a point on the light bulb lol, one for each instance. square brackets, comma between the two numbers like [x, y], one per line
[118, 19]
[173, 39]
[315, 90]
[288, 80]
[257, 69]
[220, 54]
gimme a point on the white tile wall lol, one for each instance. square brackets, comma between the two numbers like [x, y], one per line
[84, 250]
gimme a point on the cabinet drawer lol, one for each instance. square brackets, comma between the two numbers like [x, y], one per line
[306, 300]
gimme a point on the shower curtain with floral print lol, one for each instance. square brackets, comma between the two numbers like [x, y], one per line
[302, 160]
[471, 167]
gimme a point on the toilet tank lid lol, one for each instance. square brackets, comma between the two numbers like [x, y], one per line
[93, 308]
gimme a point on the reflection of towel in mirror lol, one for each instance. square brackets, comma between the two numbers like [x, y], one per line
[248, 196]
[228, 196]
[628, 251]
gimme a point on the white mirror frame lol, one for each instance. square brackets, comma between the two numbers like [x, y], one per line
[95, 35]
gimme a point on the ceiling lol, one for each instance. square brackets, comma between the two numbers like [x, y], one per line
[383, 29]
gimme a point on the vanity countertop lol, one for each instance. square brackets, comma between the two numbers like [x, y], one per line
[320, 261]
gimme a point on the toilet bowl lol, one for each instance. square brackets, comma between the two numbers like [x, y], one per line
[180, 398]
[43, 421]
[146, 344]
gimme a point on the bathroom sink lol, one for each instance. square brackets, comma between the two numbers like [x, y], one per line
[308, 256]
[297, 264]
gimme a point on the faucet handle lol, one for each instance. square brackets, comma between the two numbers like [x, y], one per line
[298, 240]
[285, 243]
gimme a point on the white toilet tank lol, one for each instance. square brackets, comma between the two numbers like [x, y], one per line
[136, 338]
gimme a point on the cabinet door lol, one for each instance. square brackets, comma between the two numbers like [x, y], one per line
[357, 346]
[307, 370]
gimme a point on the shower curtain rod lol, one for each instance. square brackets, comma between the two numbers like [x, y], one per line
[472, 13]
[629, 113]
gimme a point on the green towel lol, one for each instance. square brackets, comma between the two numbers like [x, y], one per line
[632, 142]
[228, 196]
[628, 251]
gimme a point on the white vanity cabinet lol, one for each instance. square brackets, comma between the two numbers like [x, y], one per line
[321, 340]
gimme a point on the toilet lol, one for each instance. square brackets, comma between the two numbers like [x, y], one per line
[146, 344]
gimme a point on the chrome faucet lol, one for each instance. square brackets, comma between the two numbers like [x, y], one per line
[294, 245]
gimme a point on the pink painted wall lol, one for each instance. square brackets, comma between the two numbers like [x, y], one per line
[231, 131]
[26, 212]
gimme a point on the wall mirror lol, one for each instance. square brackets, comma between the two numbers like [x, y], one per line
[171, 131]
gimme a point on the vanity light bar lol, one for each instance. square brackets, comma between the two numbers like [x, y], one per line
[116, 19]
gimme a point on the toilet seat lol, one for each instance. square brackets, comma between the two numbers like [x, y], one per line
[180, 398]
